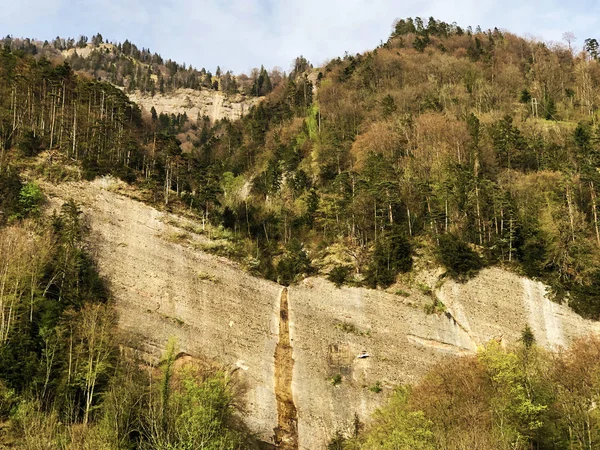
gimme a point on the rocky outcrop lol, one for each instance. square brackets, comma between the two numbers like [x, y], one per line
[196, 103]
[296, 351]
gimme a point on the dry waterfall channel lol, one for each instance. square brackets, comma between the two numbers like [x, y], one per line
[286, 433]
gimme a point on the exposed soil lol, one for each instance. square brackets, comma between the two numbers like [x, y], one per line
[286, 433]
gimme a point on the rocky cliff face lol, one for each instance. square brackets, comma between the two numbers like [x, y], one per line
[287, 346]
[214, 104]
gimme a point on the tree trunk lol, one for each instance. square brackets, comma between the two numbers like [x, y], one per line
[595, 211]
[571, 215]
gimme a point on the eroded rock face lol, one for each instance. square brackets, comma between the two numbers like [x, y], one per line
[403, 341]
[498, 305]
[196, 103]
[164, 286]
[166, 289]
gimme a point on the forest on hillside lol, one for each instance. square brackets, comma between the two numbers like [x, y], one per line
[443, 147]
[126, 65]
[65, 381]
[468, 148]
[446, 145]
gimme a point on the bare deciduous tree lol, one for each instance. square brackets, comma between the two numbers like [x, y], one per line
[569, 37]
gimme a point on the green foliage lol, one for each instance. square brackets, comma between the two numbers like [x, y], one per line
[376, 388]
[195, 411]
[121, 415]
[508, 143]
[29, 144]
[63, 384]
[527, 337]
[10, 188]
[388, 106]
[550, 109]
[165, 387]
[262, 84]
[55, 308]
[457, 257]
[392, 255]
[339, 275]
[519, 413]
[525, 96]
[31, 199]
[387, 156]
[583, 137]
[337, 441]
[585, 299]
[336, 380]
[435, 307]
[397, 427]
[8, 400]
[517, 398]
[294, 263]
[348, 327]
[336, 168]
[206, 412]
[591, 46]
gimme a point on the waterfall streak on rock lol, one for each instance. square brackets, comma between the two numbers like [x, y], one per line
[286, 433]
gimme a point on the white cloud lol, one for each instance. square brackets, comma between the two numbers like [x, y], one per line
[241, 34]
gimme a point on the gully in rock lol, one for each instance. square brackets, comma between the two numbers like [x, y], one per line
[286, 433]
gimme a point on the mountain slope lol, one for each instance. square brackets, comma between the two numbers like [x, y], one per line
[148, 77]
[196, 104]
[164, 285]
[477, 152]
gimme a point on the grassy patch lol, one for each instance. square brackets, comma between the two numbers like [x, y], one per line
[402, 293]
[178, 237]
[436, 307]
[376, 388]
[207, 277]
[425, 290]
[348, 327]
[57, 173]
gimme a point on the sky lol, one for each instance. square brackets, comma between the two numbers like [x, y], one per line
[238, 35]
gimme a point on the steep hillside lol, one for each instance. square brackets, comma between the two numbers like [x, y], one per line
[165, 285]
[442, 138]
[381, 214]
[196, 104]
[152, 81]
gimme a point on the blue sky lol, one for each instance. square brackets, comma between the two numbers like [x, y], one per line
[241, 34]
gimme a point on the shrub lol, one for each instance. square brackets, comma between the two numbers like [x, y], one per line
[29, 144]
[294, 263]
[337, 379]
[399, 427]
[337, 441]
[527, 336]
[376, 388]
[30, 200]
[391, 256]
[460, 261]
[436, 307]
[348, 327]
[8, 400]
[339, 275]
[10, 187]
[193, 409]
